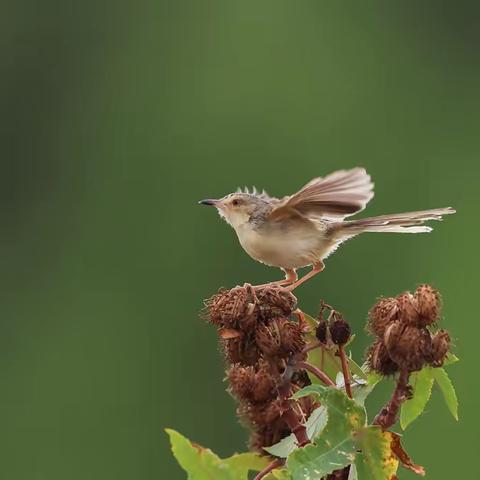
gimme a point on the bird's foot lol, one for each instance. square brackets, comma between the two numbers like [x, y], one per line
[317, 268]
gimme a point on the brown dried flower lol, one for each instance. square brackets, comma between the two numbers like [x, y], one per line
[279, 337]
[407, 312]
[249, 383]
[228, 308]
[428, 303]
[275, 302]
[379, 360]
[381, 315]
[241, 350]
[321, 331]
[340, 330]
[439, 348]
[407, 345]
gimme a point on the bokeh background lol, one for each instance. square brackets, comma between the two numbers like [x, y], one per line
[117, 117]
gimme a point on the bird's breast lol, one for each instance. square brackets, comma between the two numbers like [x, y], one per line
[286, 248]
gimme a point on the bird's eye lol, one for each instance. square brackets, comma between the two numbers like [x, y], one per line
[235, 202]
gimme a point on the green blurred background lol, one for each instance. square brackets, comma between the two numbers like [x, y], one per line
[117, 117]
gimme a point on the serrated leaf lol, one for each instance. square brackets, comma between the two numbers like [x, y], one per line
[335, 447]
[443, 381]
[421, 383]
[450, 360]
[361, 388]
[376, 460]
[202, 464]
[315, 424]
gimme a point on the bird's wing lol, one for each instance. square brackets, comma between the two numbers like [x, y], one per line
[337, 195]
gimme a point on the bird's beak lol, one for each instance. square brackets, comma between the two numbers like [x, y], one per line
[209, 201]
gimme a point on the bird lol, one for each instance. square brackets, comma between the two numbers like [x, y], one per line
[303, 229]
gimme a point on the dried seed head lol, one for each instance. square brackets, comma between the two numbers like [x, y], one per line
[242, 351]
[439, 348]
[251, 384]
[301, 378]
[267, 436]
[279, 337]
[264, 388]
[379, 360]
[406, 309]
[275, 302]
[228, 308]
[259, 415]
[321, 331]
[340, 330]
[242, 381]
[407, 345]
[381, 315]
[428, 303]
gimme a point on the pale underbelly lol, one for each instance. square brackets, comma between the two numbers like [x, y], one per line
[286, 251]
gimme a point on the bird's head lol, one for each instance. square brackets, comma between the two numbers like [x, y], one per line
[237, 208]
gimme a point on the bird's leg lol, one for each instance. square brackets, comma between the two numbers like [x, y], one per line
[317, 268]
[290, 277]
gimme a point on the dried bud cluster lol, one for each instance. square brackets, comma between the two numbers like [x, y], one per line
[404, 341]
[258, 337]
[337, 330]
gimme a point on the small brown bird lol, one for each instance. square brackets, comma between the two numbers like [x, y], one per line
[305, 228]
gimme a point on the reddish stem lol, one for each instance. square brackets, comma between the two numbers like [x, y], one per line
[297, 428]
[345, 371]
[317, 372]
[389, 413]
[279, 462]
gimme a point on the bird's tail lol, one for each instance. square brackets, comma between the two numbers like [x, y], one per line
[396, 223]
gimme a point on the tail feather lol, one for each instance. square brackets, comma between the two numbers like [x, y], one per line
[394, 223]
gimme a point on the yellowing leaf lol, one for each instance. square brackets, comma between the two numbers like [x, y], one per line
[376, 460]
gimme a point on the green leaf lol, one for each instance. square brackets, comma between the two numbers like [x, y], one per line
[376, 460]
[315, 424]
[450, 360]
[202, 464]
[356, 369]
[278, 474]
[335, 447]
[422, 383]
[446, 386]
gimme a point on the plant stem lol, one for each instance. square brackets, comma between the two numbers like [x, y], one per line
[279, 462]
[297, 428]
[387, 417]
[345, 371]
[317, 372]
[312, 346]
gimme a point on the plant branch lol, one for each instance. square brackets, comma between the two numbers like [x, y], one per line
[297, 428]
[279, 462]
[345, 371]
[387, 417]
[312, 346]
[317, 372]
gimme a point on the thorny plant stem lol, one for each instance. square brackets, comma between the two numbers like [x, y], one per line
[345, 371]
[389, 413]
[289, 415]
[317, 372]
[279, 462]
[297, 428]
